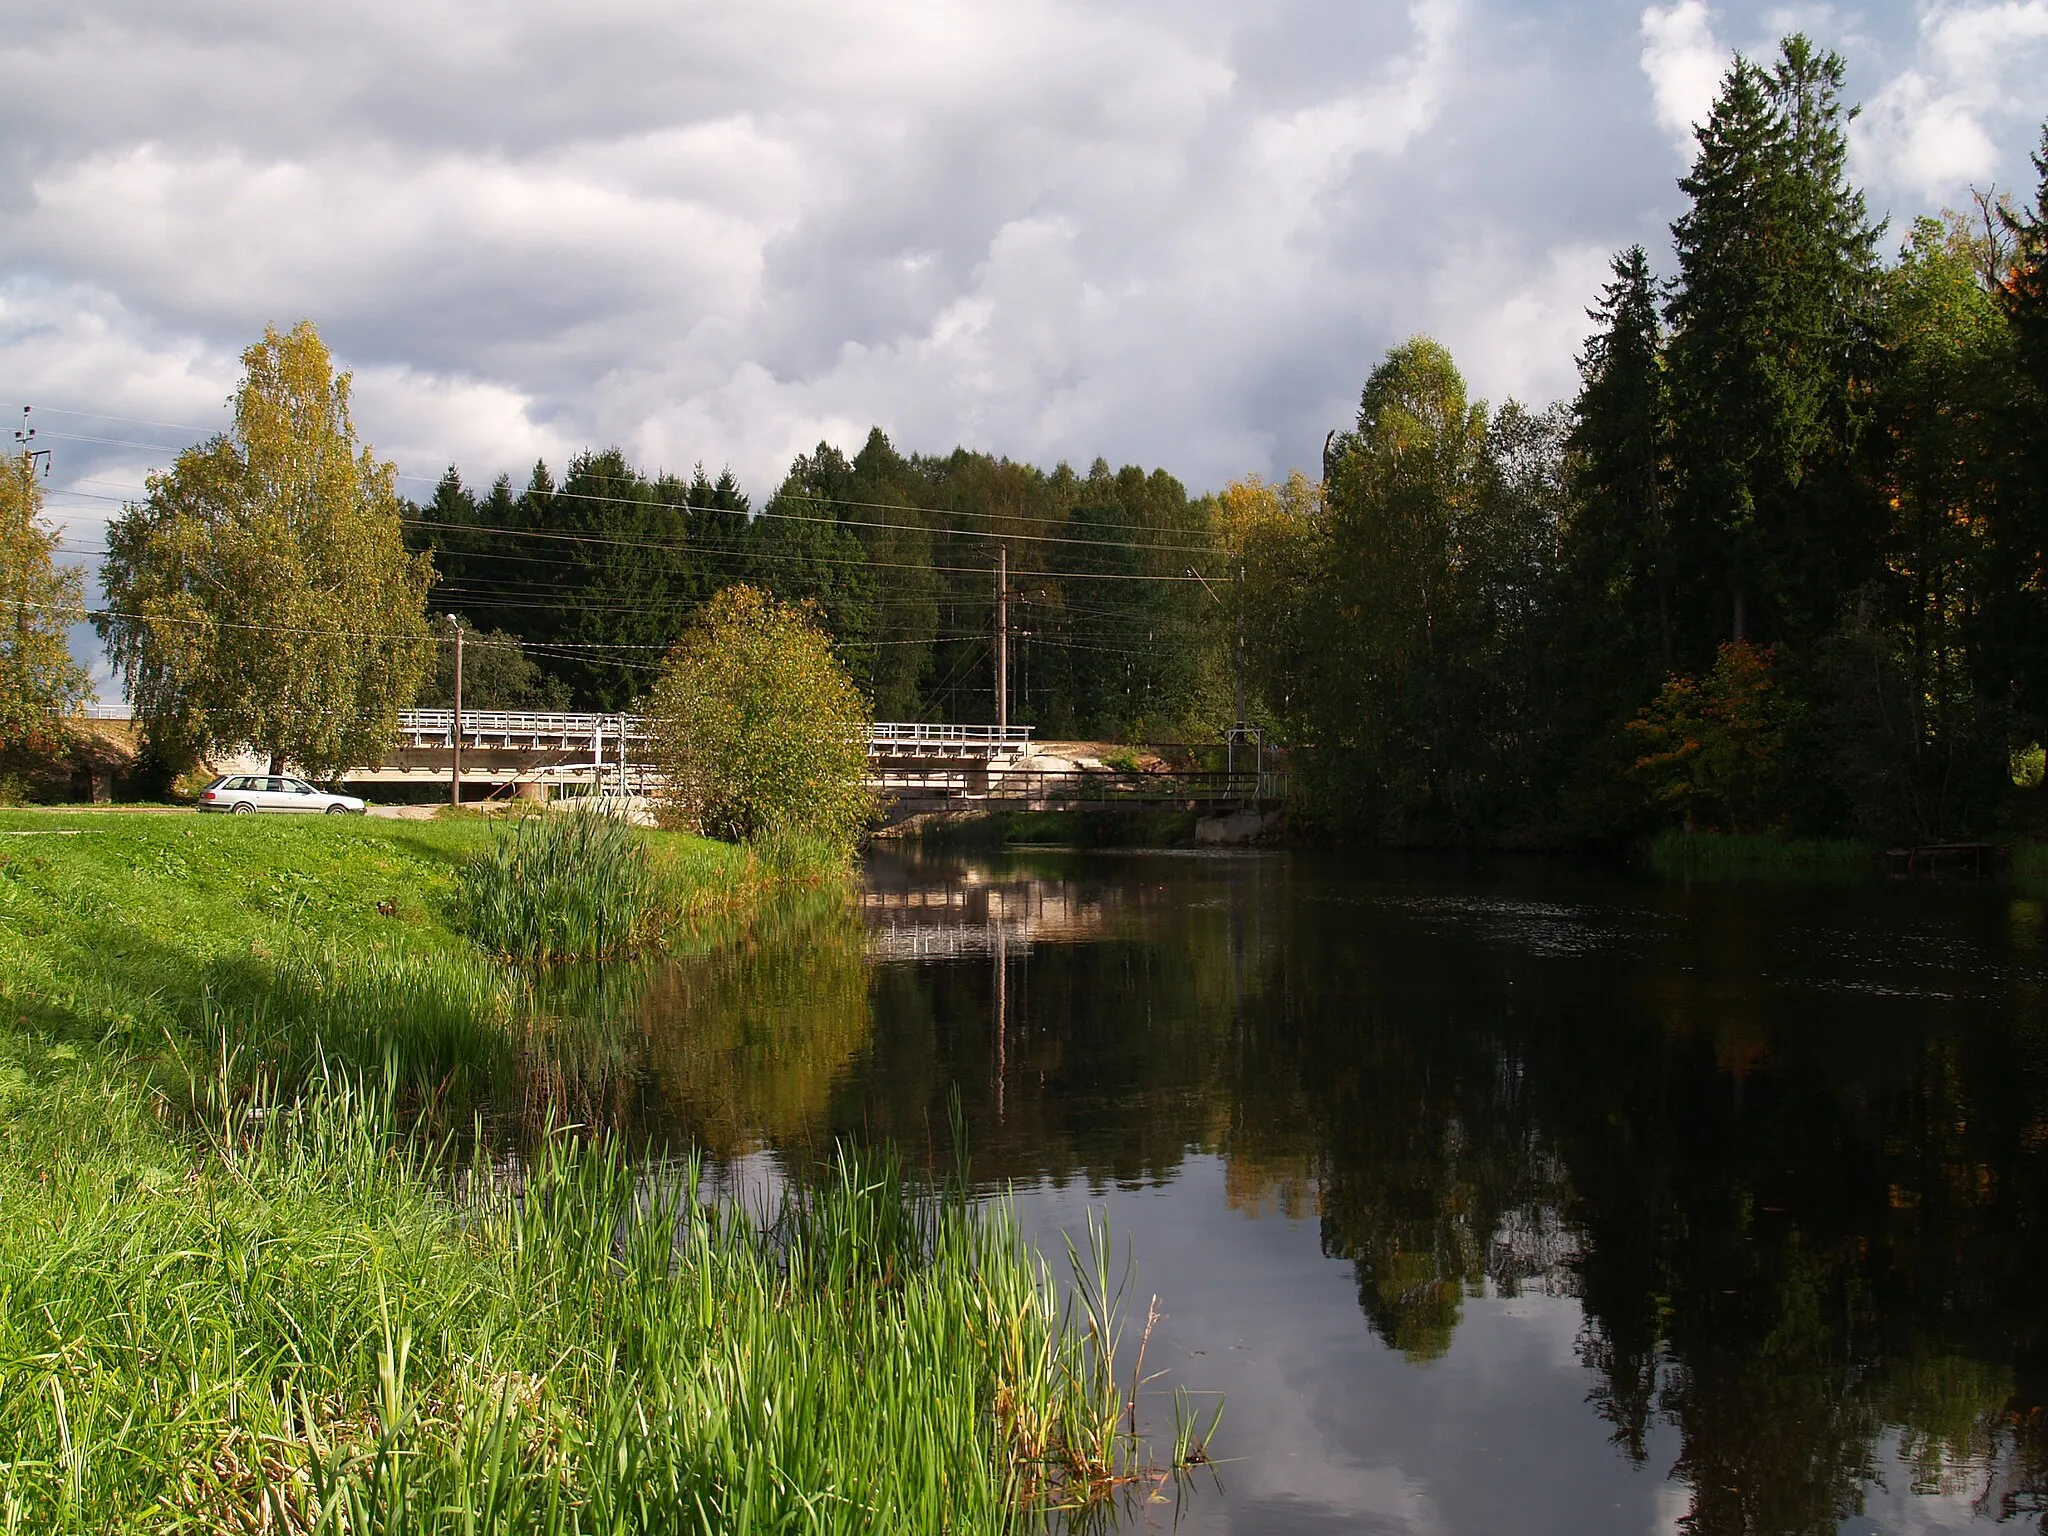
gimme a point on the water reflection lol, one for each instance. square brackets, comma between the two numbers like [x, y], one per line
[1499, 1197]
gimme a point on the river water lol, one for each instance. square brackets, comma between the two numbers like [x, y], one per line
[1495, 1196]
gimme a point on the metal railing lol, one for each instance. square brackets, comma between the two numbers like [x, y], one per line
[515, 728]
[886, 733]
[1084, 786]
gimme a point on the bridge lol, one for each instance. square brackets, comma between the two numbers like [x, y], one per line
[915, 765]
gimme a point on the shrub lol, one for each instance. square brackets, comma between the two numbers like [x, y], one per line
[757, 726]
[568, 886]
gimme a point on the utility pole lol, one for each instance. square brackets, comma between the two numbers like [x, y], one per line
[1240, 647]
[1003, 637]
[25, 444]
[455, 730]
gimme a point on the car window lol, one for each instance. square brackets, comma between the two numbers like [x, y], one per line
[298, 786]
[275, 786]
[238, 782]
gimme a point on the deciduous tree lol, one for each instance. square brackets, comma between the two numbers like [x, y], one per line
[262, 596]
[758, 727]
[39, 600]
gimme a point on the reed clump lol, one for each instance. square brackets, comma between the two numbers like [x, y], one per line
[334, 1334]
[575, 885]
[1750, 855]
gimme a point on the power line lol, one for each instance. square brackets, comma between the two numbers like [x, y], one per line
[762, 554]
[781, 494]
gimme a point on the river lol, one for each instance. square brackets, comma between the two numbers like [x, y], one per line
[1493, 1195]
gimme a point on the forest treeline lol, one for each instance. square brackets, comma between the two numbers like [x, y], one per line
[1779, 564]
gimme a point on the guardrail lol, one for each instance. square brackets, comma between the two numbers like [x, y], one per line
[1083, 786]
[424, 727]
[885, 733]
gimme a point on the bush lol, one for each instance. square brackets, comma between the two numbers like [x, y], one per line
[569, 886]
[758, 728]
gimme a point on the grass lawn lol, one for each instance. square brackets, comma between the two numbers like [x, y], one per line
[243, 1286]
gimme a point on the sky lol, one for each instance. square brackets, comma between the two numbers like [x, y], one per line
[1170, 232]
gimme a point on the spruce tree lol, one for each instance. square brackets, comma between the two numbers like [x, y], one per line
[2021, 529]
[1618, 543]
[1776, 261]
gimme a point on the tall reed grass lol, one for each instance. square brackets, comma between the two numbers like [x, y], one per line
[331, 1335]
[1736, 855]
[567, 886]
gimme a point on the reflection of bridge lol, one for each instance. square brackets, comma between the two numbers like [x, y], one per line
[951, 921]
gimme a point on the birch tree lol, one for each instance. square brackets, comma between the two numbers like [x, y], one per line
[261, 595]
[40, 683]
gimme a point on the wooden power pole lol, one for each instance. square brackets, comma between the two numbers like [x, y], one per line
[455, 729]
[1002, 636]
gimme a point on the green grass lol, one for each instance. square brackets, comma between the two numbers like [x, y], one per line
[199, 1329]
[2030, 859]
[1734, 855]
[247, 1282]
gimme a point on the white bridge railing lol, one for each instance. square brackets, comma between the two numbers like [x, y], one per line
[515, 730]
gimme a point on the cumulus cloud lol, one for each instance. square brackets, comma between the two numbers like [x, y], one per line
[1685, 64]
[1172, 233]
[1976, 81]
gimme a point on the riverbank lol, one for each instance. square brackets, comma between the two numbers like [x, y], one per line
[246, 1283]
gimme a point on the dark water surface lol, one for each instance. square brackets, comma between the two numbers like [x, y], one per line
[1497, 1197]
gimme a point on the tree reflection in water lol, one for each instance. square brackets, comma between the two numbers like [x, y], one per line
[1785, 1146]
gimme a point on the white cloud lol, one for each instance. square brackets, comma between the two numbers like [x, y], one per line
[1936, 126]
[1177, 233]
[1685, 64]
[1521, 338]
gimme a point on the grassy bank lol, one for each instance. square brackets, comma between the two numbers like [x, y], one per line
[245, 1283]
[1712, 855]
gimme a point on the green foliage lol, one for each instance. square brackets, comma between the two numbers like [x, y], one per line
[1424, 579]
[1768, 318]
[1713, 748]
[496, 674]
[896, 552]
[262, 596]
[40, 683]
[758, 728]
[572, 885]
[1694, 854]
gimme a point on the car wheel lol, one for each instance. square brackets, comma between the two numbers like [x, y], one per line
[245, 809]
[337, 810]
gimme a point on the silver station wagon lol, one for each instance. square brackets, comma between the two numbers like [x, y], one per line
[246, 793]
